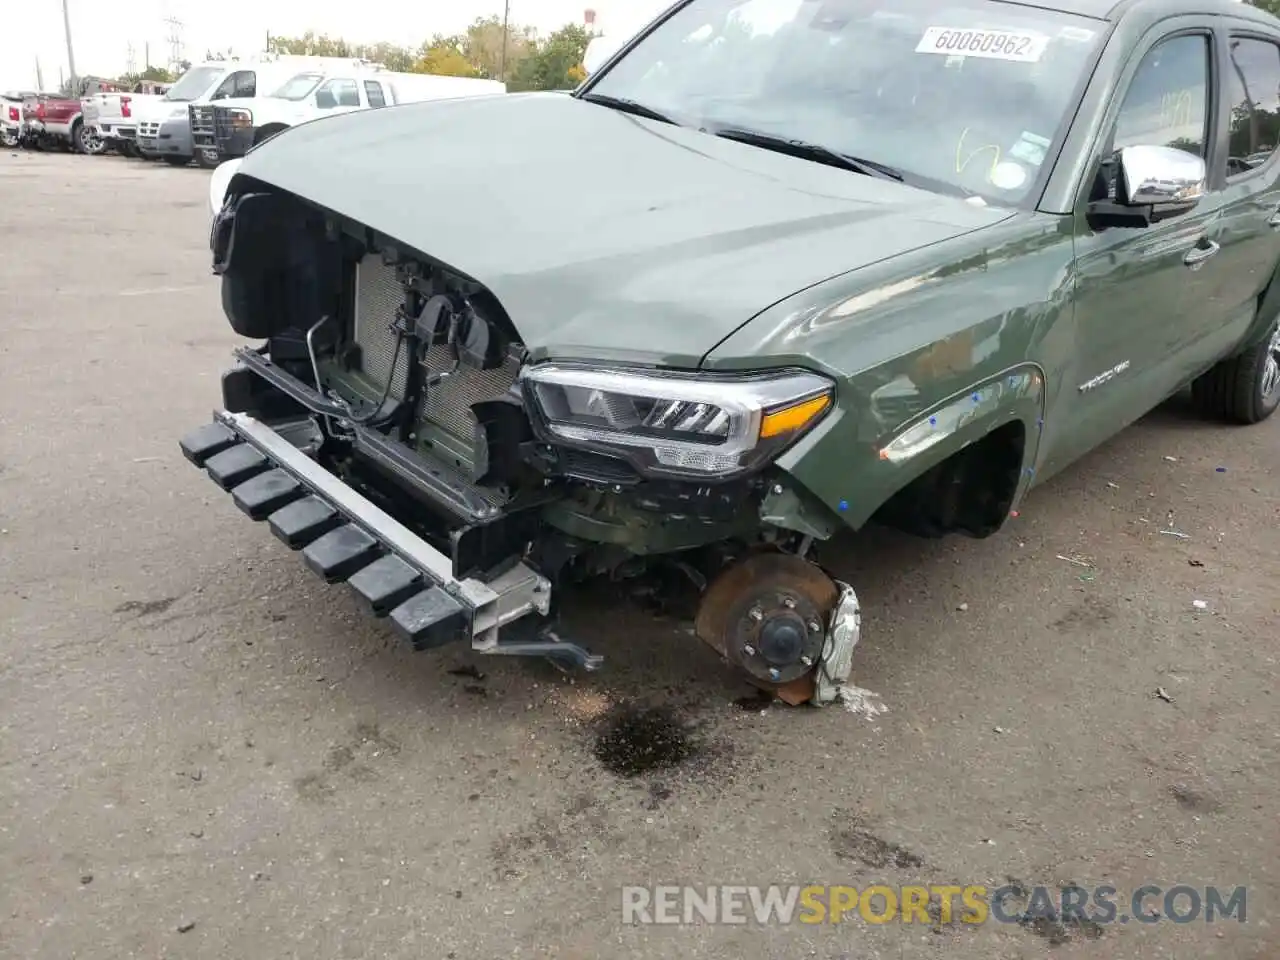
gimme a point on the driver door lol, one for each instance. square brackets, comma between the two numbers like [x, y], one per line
[1140, 290]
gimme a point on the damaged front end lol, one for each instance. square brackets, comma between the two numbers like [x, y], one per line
[393, 429]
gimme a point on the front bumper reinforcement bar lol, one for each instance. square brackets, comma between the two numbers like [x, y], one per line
[344, 537]
[457, 501]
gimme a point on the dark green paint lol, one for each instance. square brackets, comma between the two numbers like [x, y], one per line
[612, 238]
[604, 236]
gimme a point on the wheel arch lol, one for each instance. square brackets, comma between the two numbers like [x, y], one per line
[979, 442]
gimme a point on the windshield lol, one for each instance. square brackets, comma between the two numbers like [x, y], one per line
[298, 87]
[963, 96]
[193, 83]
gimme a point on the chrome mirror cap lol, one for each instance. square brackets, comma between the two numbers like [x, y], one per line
[1162, 175]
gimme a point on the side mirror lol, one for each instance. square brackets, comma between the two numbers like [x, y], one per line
[1151, 184]
[1162, 175]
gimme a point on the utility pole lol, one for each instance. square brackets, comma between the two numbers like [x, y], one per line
[506, 18]
[146, 54]
[71, 57]
[175, 41]
[39, 76]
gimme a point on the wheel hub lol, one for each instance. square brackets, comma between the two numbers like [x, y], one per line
[778, 638]
[769, 615]
[782, 639]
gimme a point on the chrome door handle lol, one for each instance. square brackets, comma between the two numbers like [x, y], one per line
[1197, 255]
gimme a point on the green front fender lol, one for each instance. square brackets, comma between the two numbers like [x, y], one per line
[854, 466]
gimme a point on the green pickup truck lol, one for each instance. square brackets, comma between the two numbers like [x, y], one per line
[778, 269]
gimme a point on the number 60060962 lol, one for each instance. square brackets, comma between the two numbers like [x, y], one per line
[970, 41]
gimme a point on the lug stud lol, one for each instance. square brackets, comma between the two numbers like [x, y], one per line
[807, 661]
[815, 626]
[774, 674]
[749, 650]
[789, 603]
[755, 614]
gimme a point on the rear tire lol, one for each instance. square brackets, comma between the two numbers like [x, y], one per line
[204, 162]
[86, 141]
[1244, 388]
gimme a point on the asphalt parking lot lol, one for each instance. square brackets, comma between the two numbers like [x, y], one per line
[205, 752]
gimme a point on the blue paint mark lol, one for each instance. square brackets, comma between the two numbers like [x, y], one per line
[975, 398]
[844, 505]
[1031, 471]
[933, 421]
[1221, 470]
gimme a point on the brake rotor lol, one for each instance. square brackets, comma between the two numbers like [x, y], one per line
[768, 615]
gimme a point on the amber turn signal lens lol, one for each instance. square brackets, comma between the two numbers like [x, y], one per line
[776, 423]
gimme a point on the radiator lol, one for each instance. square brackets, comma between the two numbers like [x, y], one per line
[448, 403]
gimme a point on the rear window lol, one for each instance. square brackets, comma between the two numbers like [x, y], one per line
[1253, 84]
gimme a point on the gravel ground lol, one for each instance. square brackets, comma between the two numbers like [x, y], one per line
[206, 752]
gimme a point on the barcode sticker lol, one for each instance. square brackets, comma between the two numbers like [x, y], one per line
[1017, 45]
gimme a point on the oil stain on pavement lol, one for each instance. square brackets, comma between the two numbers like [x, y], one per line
[635, 740]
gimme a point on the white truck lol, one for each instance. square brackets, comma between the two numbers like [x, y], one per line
[240, 123]
[11, 102]
[179, 127]
[111, 117]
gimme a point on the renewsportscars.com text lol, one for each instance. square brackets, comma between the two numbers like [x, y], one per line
[929, 904]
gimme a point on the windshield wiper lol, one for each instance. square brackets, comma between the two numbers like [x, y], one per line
[807, 151]
[626, 106]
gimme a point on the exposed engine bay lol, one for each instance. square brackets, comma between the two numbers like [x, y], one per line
[406, 382]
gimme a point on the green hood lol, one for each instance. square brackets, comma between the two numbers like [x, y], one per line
[602, 234]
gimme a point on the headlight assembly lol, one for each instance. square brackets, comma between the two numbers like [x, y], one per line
[695, 425]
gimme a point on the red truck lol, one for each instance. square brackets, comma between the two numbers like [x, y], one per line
[51, 121]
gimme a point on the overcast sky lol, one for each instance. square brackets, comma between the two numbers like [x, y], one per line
[102, 32]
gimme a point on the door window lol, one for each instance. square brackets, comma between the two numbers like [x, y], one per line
[246, 83]
[373, 90]
[224, 88]
[1253, 85]
[338, 93]
[242, 83]
[1167, 104]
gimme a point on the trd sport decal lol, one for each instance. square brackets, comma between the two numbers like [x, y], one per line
[1104, 377]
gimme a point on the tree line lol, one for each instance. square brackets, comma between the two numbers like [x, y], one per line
[526, 61]
[529, 62]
